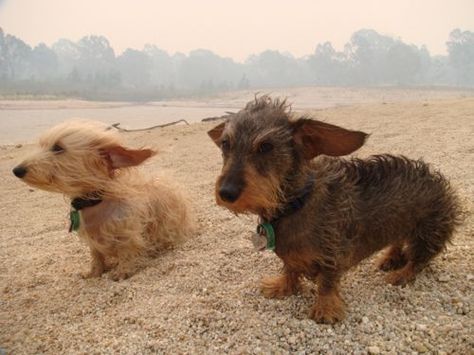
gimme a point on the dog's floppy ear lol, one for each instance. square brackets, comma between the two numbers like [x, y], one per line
[316, 137]
[120, 157]
[216, 132]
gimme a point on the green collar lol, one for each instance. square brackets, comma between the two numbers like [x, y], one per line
[80, 203]
[74, 220]
[266, 229]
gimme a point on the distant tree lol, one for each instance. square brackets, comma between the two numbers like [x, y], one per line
[328, 66]
[203, 67]
[425, 65]
[244, 83]
[96, 57]
[68, 55]
[367, 51]
[89, 67]
[135, 68]
[16, 58]
[272, 68]
[163, 69]
[440, 71]
[74, 77]
[44, 62]
[3, 57]
[403, 64]
[461, 55]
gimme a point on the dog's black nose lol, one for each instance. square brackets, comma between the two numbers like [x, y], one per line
[19, 171]
[229, 192]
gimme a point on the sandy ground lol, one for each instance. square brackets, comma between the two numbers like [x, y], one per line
[203, 297]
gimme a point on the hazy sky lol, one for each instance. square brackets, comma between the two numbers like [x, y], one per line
[235, 28]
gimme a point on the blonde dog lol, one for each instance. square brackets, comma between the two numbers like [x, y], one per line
[120, 213]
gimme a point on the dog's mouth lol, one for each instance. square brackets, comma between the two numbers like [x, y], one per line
[251, 193]
[248, 202]
[45, 184]
[231, 197]
[238, 206]
[31, 177]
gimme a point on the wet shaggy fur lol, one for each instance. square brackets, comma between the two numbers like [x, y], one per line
[138, 215]
[356, 206]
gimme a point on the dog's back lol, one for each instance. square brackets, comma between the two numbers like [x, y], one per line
[404, 192]
[172, 220]
[391, 200]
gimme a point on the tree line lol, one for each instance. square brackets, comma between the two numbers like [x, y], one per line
[91, 69]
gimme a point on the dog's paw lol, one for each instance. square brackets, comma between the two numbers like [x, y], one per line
[118, 275]
[400, 277]
[328, 310]
[278, 286]
[391, 261]
[93, 273]
[110, 266]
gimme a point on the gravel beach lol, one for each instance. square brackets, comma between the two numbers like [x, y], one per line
[203, 296]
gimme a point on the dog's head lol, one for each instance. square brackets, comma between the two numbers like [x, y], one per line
[78, 157]
[265, 148]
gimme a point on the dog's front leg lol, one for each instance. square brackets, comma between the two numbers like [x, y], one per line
[281, 286]
[329, 307]
[97, 265]
[129, 258]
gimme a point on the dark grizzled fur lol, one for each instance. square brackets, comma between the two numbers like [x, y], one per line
[361, 206]
[357, 206]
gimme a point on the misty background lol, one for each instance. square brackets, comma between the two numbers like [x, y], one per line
[90, 68]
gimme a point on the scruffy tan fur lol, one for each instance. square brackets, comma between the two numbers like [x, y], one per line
[138, 215]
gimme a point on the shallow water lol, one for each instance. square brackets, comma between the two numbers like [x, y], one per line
[23, 121]
[24, 125]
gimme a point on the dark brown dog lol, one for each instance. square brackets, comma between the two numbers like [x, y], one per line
[329, 213]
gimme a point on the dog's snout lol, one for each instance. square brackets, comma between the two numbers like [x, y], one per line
[19, 171]
[229, 192]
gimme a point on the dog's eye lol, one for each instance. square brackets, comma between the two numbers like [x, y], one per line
[57, 148]
[225, 145]
[265, 147]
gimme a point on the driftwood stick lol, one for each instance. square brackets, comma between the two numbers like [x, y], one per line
[116, 125]
[227, 115]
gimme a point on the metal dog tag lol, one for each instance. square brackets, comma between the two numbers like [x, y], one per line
[259, 241]
[264, 238]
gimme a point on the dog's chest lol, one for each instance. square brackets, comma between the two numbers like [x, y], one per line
[296, 253]
[99, 220]
[307, 242]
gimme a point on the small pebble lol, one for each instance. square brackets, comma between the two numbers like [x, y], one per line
[373, 350]
[420, 347]
[443, 278]
[421, 327]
